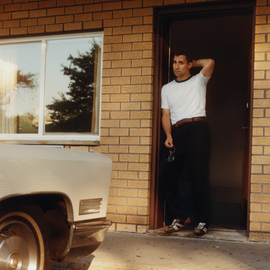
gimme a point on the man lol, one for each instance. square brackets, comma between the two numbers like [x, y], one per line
[185, 127]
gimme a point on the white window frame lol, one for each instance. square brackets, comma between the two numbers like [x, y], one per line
[41, 137]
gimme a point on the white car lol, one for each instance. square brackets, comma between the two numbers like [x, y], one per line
[53, 204]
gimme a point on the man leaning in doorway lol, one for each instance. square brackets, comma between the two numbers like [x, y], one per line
[187, 139]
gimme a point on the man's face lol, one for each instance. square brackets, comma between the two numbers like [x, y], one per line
[181, 67]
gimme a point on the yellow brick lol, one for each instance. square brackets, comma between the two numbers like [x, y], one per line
[129, 158]
[265, 28]
[120, 80]
[258, 112]
[116, 218]
[261, 121]
[132, 88]
[262, 10]
[110, 106]
[130, 106]
[121, 47]
[266, 169]
[266, 208]
[127, 210]
[257, 132]
[140, 132]
[148, 20]
[119, 115]
[255, 207]
[107, 31]
[127, 192]
[141, 115]
[107, 64]
[143, 11]
[261, 3]
[132, 55]
[110, 73]
[105, 81]
[142, 29]
[122, 30]
[120, 98]
[113, 157]
[261, 141]
[112, 22]
[260, 38]
[266, 188]
[104, 132]
[118, 149]
[139, 167]
[260, 178]
[109, 140]
[259, 94]
[130, 140]
[138, 219]
[145, 158]
[132, 4]
[143, 210]
[138, 184]
[148, 37]
[262, 84]
[113, 192]
[110, 89]
[117, 200]
[132, 38]
[256, 169]
[259, 75]
[142, 228]
[140, 149]
[267, 131]
[173, 2]
[112, 39]
[261, 66]
[130, 123]
[265, 227]
[261, 160]
[144, 193]
[128, 175]
[147, 88]
[143, 63]
[260, 19]
[147, 71]
[126, 228]
[132, 21]
[110, 123]
[259, 237]
[141, 79]
[100, 148]
[256, 188]
[143, 46]
[137, 201]
[119, 166]
[255, 226]
[260, 217]
[121, 63]
[260, 198]
[111, 209]
[259, 56]
[122, 13]
[147, 106]
[144, 175]
[266, 150]
[141, 97]
[112, 6]
[146, 140]
[119, 132]
[131, 72]
[146, 123]
[118, 183]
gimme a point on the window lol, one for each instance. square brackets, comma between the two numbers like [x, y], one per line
[50, 89]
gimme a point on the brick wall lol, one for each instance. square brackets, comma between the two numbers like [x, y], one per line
[260, 170]
[127, 94]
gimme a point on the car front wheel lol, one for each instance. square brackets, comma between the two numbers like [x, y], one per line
[24, 239]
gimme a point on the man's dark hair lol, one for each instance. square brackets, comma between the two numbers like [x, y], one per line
[184, 52]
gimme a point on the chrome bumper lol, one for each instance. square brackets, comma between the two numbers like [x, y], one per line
[85, 238]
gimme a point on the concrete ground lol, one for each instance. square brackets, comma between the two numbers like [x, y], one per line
[154, 251]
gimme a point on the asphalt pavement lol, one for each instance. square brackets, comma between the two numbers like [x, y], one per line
[153, 251]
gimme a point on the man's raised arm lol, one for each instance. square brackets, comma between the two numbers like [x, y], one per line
[207, 66]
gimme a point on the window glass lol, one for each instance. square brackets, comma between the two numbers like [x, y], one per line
[72, 85]
[50, 88]
[19, 87]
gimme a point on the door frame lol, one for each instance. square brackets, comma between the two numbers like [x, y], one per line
[161, 55]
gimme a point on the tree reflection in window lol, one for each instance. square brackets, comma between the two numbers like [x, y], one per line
[75, 110]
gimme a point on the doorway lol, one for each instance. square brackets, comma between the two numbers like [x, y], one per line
[224, 34]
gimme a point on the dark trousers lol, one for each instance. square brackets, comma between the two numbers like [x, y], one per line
[188, 173]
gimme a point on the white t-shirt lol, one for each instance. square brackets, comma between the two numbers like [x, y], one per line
[185, 99]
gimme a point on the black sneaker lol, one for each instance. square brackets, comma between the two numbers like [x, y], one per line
[201, 229]
[176, 225]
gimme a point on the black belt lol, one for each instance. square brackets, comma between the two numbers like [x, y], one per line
[186, 120]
